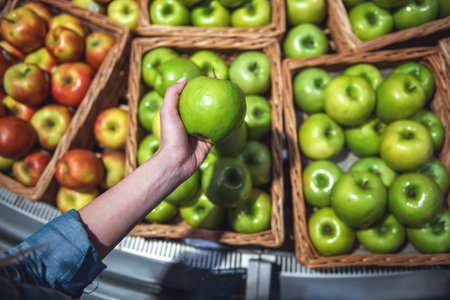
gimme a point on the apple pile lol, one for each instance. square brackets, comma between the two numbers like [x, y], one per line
[393, 191]
[47, 64]
[233, 180]
[371, 19]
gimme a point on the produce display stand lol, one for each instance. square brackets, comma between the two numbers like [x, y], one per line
[384, 60]
[228, 48]
[103, 87]
[275, 29]
[346, 40]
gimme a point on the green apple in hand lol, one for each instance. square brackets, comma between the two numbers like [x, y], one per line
[364, 139]
[434, 237]
[148, 107]
[320, 137]
[254, 13]
[162, 213]
[210, 14]
[387, 235]
[258, 116]
[168, 12]
[414, 199]
[306, 11]
[319, 178]
[234, 144]
[433, 124]
[251, 72]
[147, 147]
[152, 60]
[309, 89]
[399, 96]
[211, 63]
[436, 170]
[253, 215]
[305, 40]
[209, 160]
[366, 71]
[421, 73]
[186, 191]
[349, 100]
[415, 13]
[156, 125]
[329, 235]
[256, 156]
[203, 213]
[405, 145]
[376, 166]
[370, 21]
[227, 182]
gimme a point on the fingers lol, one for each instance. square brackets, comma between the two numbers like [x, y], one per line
[171, 98]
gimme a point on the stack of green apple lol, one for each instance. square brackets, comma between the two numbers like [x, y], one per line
[393, 190]
[305, 36]
[233, 181]
[371, 19]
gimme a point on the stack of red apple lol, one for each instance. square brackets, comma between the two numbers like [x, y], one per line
[393, 191]
[236, 173]
[48, 62]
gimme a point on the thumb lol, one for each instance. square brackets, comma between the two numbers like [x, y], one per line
[171, 98]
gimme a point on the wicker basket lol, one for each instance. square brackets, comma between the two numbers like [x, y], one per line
[275, 29]
[228, 48]
[444, 44]
[102, 88]
[304, 250]
[346, 40]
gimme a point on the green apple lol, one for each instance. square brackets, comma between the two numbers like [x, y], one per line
[329, 235]
[320, 137]
[414, 199]
[227, 182]
[364, 139]
[90, 5]
[203, 213]
[309, 89]
[319, 178]
[232, 3]
[212, 109]
[421, 73]
[211, 63]
[67, 199]
[366, 71]
[168, 12]
[210, 14]
[387, 235]
[400, 96]
[254, 13]
[436, 170]
[349, 100]
[359, 198]
[444, 8]
[433, 124]
[376, 166]
[162, 213]
[434, 237]
[405, 145]
[389, 3]
[305, 40]
[186, 191]
[156, 124]
[256, 156]
[125, 12]
[171, 71]
[352, 3]
[234, 144]
[152, 60]
[189, 3]
[258, 116]
[6, 163]
[370, 21]
[147, 147]
[209, 160]
[253, 215]
[251, 72]
[415, 12]
[148, 107]
[306, 11]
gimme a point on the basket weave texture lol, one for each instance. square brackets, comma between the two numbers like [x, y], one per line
[228, 48]
[101, 89]
[304, 249]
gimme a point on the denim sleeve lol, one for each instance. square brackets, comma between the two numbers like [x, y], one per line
[63, 259]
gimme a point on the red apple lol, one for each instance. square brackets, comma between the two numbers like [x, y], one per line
[43, 59]
[40, 9]
[17, 137]
[18, 109]
[11, 52]
[111, 128]
[67, 199]
[26, 83]
[51, 122]
[70, 83]
[24, 29]
[28, 170]
[64, 44]
[79, 169]
[98, 45]
[70, 22]
[114, 164]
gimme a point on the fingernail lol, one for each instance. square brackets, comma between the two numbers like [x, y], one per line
[182, 79]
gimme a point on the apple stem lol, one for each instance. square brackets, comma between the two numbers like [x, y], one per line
[214, 72]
